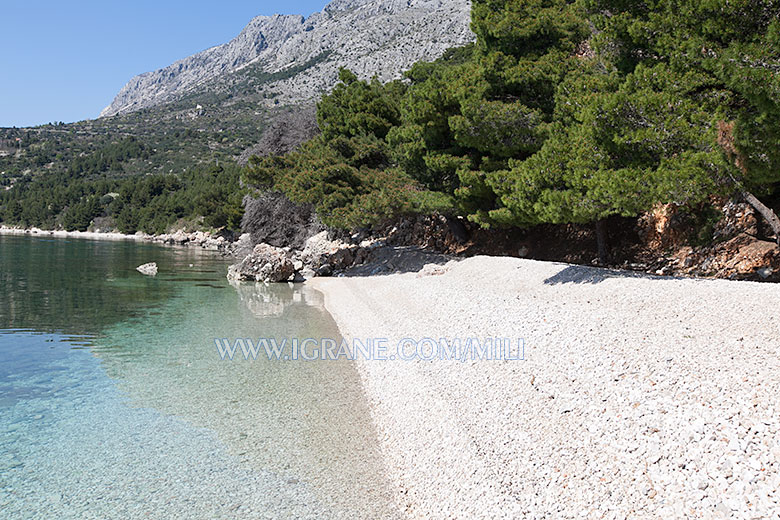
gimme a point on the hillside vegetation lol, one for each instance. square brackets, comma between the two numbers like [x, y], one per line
[561, 112]
[59, 166]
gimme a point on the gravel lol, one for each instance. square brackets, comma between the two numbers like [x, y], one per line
[638, 397]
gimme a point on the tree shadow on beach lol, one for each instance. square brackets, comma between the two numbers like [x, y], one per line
[397, 259]
[583, 274]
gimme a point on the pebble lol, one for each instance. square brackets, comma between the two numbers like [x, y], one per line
[664, 392]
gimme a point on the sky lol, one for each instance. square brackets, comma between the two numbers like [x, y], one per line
[65, 60]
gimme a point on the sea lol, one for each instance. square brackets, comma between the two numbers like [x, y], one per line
[115, 401]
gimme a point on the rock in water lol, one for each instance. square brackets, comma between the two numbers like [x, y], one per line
[149, 269]
[265, 264]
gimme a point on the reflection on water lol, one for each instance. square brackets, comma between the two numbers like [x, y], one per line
[306, 420]
[267, 301]
[124, 409]
[78, 286]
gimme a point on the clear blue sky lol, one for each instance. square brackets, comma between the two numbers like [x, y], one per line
[64, 60]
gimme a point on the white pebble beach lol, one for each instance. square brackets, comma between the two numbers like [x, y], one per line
[638, 397]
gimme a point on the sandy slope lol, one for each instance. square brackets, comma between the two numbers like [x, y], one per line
[638, 397]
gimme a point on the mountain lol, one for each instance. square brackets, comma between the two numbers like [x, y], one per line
[216, 105]
[286, 59]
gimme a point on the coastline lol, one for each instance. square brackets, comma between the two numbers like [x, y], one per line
[6, 230]
[180, 237]
[637, 395]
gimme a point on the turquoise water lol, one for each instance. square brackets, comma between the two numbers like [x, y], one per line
[115, 404]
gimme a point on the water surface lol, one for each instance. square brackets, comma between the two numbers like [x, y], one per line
[115, 404]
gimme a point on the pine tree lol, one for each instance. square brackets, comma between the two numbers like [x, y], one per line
[667, 102]
[347, 173]
[722, 59]
[464, 122]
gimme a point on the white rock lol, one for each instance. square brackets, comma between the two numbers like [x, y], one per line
[382, 38]
[149, 269]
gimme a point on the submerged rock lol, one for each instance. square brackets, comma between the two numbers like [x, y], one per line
[149, 269]
[265, 264]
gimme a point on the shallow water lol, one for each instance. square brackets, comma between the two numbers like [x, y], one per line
[114, 402]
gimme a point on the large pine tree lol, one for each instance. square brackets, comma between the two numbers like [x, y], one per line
[463, 121]
[669, 102]
[721, 58]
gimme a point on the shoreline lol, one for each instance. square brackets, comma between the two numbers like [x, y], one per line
[638, 394]
[203, 239]
[95, 235]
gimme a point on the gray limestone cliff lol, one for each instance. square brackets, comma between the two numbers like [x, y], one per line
[301, 56]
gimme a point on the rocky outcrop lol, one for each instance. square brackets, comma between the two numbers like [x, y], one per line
[324, 255]
[371, 37]
[202, 239]
[736, 248]
[742, 257]
[265, 264]
[321, 255]
[436, 232]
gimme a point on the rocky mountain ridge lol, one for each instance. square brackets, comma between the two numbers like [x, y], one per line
[371, 37]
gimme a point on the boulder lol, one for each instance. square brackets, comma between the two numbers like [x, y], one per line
[342, 258]
[180, 237]
[325, 255]
[315, 248]
[758, 257]
[324, 270]
[307, 273]
[319, 249]
[265, 264]
[149, 269]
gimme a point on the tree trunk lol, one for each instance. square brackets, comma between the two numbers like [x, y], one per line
[769, 215]
[602, 241]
